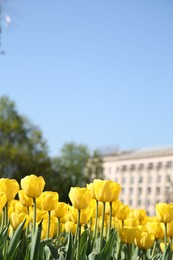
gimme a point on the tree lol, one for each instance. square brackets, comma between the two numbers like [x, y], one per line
[75, 166]
[23, 150]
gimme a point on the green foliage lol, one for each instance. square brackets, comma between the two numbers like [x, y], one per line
[75, 166]
[22, 148]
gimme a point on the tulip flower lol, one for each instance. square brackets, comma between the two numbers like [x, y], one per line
[33, 185]
[106, 190]
[144, 240]
[17, 219]
[49, 200]
[70, 227]
[155, 228]
[127, 234]
[85, 215]
[164, 212]
[61, 209]
[25, 200]
[10, 187]
[80, 197]
[3, 200]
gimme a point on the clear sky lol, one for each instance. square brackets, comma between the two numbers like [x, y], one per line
[96, 72]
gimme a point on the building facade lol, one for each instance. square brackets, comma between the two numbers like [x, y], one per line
[146, 176]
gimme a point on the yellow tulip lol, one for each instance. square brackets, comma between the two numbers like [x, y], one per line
[80, 197]
[85, 215]
[44, 229]
[155, 228]
[41, 214]
[106, 190]
[164, 212]
[123, 212]
[60, 210]
[66, 217]
[170, 229]
[70, 227]
[144, 240]
[91, 188]
[138, 213]
[32, 185]
[162, 247]
[25, 200]
[3, 200]
[17, 219]
[10, 187]
[19, 208]
[131, 222]
[115, 207]
[127, 234]
[49, 200]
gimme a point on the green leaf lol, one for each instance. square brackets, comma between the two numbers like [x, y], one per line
[35, 243]
[168, 253]
[47, 253]
[15, 242]
[53, 251]
[69, 247]
[93, 256]
[108, 250]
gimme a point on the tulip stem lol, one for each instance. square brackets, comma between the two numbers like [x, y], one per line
[48, 224]
[165, 236]
[6, 214]
[58, 228]
[143, 255]
[2, 217]
[35, 214]
[96, 221]
[78, 234]
[102, 226]
[153, 250]
[110, 221]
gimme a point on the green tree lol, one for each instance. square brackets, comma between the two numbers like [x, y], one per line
[76, 166]
[23, 150]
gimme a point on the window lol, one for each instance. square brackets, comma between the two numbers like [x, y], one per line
[123, 180]
[169, 164]
[148, 203]
[159, 165]
[130, 202]
[141, 167]
[140, 179]
[139, 203]
[150, 166]
[158, 190]
[123, 190]
[132, 179]
[124, 168]
[158, 178]
[167, 190]
[132, 168]
[139, 191]
[148, 190]
[131, 190]
[168, 178]
[149, 178]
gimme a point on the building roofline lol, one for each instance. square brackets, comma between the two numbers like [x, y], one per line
[139, 153]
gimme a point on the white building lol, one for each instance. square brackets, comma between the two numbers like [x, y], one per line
[146, 176]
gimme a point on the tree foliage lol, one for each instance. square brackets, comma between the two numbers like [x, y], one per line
[76, 166]
[22, 148]
[23, 151]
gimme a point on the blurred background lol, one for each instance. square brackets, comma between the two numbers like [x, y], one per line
[78, 79]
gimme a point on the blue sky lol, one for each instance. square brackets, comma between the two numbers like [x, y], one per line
[94, 72]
